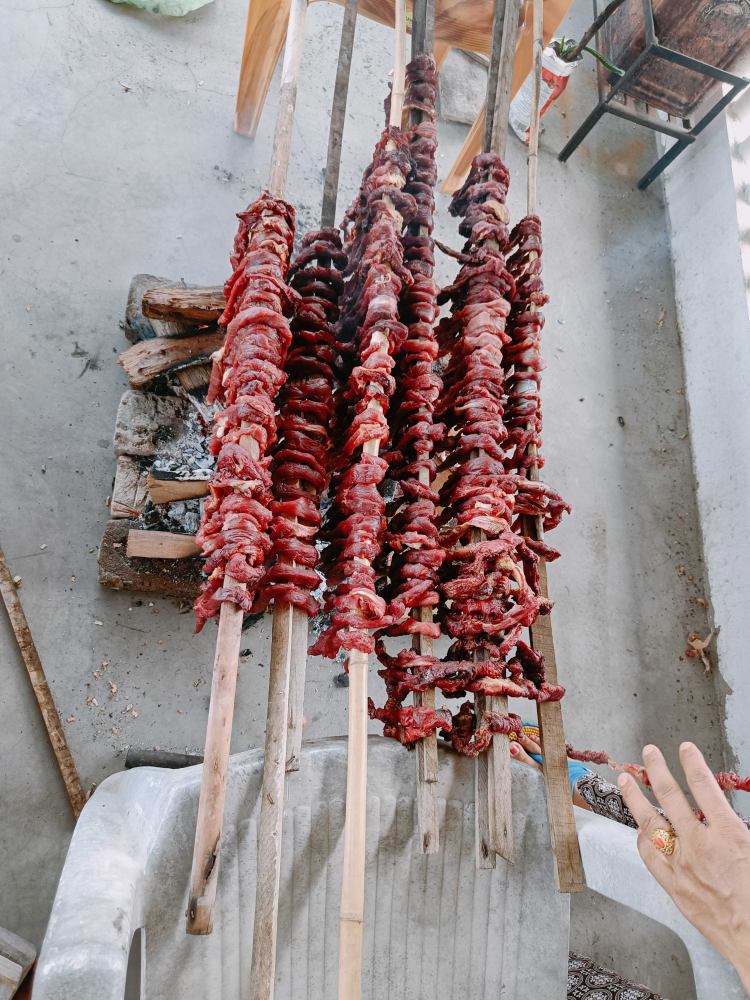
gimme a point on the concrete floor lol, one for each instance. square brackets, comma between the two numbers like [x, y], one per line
[101, 182]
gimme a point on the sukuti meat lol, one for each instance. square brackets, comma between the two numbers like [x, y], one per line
[523, 415]
[300, 457]
[248, 371]
[489, 582]
[355, 523]
[415, 552]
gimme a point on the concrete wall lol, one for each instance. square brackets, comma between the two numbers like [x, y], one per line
[702, 189]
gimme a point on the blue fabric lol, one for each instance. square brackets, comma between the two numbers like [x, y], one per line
[576, 770]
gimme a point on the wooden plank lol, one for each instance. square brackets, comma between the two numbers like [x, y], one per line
[492, 778]
[149, 358]
[177, 303]
[174, 577]
[169, 490]
[130, 491]
[39, 684]
[564, 836]
[160, 545]
[565, 851]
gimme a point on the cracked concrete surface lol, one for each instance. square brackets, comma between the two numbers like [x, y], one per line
[118, 156]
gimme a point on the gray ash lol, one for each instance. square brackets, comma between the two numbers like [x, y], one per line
[184, 454]
[182, 517]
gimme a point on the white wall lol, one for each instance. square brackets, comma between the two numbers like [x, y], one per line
[701, 191]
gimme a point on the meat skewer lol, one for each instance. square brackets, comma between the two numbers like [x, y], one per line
[247, 374]
[524, 418]
[412, 535]
[406, 724]
[354, 521]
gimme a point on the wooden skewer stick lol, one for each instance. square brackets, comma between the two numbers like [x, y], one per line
[352, 914]
[427, 753]
[566, 854]
[218, 736]
[338, 114]
[492, 777]
[42, 692]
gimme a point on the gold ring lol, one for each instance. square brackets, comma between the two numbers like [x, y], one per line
[664, 841]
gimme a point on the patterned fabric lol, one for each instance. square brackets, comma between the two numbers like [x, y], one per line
[605, 799]
[588, 981]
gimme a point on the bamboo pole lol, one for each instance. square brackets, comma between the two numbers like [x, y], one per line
[566, 854]
[43, 695]
[219, 732]
[351, 919]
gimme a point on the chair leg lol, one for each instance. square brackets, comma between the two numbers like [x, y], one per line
[573, 143]
[671, 154]
[440, 51]
[472, 145]
[265, 32]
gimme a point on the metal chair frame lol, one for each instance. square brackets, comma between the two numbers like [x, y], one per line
[684, 135]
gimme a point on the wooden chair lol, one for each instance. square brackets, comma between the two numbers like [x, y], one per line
[461, 24]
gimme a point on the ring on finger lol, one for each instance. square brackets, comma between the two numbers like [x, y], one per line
[664, 841]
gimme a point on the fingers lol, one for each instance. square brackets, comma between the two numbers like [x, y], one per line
[529, 745]
[642, 810]
[668, 792]
[648, 820]
[703, 785]
[518, 753]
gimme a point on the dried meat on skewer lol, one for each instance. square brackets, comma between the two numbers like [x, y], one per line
[355, 522]
[300, 458]
[248, 371]
[489, 584]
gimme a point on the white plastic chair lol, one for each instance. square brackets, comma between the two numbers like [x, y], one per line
[434, 925]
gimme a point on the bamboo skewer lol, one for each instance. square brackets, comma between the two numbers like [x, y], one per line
[43, 695]
[218, 736]
[566, 854]
[351, 919]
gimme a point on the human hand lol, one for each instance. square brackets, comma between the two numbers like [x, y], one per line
[708, 875]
